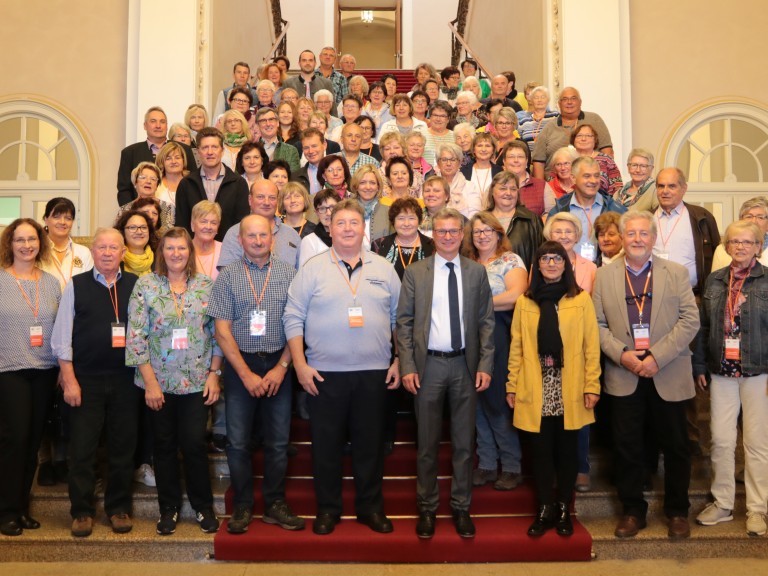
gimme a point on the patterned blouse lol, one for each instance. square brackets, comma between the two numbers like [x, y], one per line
[499, 267]
[152, 317]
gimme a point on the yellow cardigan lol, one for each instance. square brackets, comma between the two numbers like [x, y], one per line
[581, 361]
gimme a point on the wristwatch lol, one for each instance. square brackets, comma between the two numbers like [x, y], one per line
[284, 364]
[217, 372]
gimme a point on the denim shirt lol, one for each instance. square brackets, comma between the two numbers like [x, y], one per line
[754, 322]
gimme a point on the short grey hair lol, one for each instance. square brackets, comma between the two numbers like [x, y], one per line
[642, 152]
[756, 202]
[452, 149]
[562, 217]
[637, 215]
[265, 84]
[468, 94]
[323, 92]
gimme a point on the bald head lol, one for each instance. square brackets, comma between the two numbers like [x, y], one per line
[263, 198]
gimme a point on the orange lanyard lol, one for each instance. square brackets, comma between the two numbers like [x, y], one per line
[114, 300]
[346, 279]
[202, 266]
[661, 234]
[302, 227]
[733, 302]
[61, 271]
[588, 214]
[36, 309]
[260, 297]
[413, 251]
[179, 310]
[641, 304]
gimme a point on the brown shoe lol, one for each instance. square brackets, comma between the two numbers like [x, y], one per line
[121, 523]
[629, 526]
[679, 528]
[82, 526]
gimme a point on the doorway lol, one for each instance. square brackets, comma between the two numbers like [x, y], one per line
[371, 31]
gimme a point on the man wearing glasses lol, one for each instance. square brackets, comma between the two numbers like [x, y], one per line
[275, 148]
[212, 181]
[445, 327]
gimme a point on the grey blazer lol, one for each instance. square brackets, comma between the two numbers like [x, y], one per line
[414, 317]
[674, 324]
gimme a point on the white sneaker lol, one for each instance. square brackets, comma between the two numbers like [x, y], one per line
[145, 475]
[713, 514]
[756, 524]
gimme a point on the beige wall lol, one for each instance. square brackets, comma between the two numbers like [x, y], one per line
[372, 44]
[683, 56]
[508, 36]
[242, 32]
[77, 65]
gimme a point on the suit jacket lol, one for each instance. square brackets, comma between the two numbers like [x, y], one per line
[674, 324]
[318, 83]
[414, 317]
[130, 157]
[232, 197]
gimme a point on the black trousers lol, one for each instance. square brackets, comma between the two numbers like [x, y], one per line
[555, 455]
[180, 425]
[109, 403]
[632, 415]
[26, 396]
[351, 402]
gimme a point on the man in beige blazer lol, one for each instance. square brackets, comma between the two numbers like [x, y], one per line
[445, 348]
[647, 316]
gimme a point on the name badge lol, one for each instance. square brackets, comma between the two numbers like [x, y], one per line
[118, 335]
[355, 314]
[732, 349]
[179, 339]
[588, 251]
[662, 255]
[258, 323]
[35, 336]
[642, 335]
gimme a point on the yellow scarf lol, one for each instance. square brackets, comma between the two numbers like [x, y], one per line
[139, 264]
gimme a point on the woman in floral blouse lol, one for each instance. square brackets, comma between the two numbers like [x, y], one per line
[170, 340]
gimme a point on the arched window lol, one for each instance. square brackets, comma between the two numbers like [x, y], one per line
[42, 155]
[723, 150]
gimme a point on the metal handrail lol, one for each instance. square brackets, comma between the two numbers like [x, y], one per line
[276, 47]
[458, 37]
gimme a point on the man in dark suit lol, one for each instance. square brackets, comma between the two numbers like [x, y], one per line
[647, 317]
[445, 342]
[214, 181]
[156, 126]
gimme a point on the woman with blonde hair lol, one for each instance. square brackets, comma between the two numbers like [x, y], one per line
[196, 117]
[293, 203]
[171, 161]
[367, 186]
[236, 133]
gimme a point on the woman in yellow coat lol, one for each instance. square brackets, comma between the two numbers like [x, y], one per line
[554, 370]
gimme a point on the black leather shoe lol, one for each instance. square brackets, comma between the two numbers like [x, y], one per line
[377, 522]
[464, 525]
[11, 528]
[325, 523]
[543, 522]
[28, 523]
[563, 524]
[425, 527]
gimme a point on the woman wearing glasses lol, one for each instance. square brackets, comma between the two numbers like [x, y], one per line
[140, 240]
[497, 440]
[320, 238]
[146, 177]
[28, 368]
[640, 192]
[731, 350]
[754, 210]
[561, 180]
[584, 138]
[554, 370]
[438, 133]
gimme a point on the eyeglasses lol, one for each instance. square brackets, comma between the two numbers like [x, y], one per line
[267, 120]
[563, 165]
[143, 178]
[446, 159]
[761, 217]
[585, 135]
[240, 101]
[547, 258]
[324, 209]
[447, 232]
[443, 116]
[516, 157]
[21, 241]
[487, 232]
[739, 243]
[569, 99]
[634, 166]
[505, 124]
[135, 229]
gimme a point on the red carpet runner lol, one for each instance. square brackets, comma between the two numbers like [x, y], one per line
[501, 518]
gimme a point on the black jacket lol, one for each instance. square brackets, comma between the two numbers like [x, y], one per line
[232, 197]
[706, 237]
[525, 233]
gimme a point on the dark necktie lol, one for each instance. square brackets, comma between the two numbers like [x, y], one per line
[453, 308]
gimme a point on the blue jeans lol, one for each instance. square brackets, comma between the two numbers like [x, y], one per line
[497, 439]
[274, 414]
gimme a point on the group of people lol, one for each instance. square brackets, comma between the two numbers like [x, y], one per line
[491, 263]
